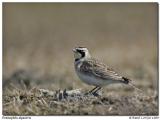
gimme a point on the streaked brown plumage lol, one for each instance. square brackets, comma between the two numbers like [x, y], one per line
[94, 72]
[98, 69]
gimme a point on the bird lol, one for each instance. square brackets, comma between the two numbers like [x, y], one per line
[93, 72]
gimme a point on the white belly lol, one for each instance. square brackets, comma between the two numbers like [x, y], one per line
[92, 80]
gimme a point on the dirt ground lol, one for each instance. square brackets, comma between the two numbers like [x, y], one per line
[37, 101]
[38, 63]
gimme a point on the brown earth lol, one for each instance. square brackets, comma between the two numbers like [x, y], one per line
[37, 54]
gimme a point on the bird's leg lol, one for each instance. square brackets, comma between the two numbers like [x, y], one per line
[97, 89]
[95, 92]
[93, 89]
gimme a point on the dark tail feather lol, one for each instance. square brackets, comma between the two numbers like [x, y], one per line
[126, 80]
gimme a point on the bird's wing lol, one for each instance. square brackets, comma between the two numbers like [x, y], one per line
[100, 70]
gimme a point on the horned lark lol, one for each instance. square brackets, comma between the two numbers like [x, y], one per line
[93, 72]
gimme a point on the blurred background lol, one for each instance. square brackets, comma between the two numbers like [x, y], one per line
[38, 39]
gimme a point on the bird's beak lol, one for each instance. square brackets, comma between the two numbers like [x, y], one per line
[74, 50]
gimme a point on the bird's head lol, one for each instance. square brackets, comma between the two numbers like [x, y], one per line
[81, 53]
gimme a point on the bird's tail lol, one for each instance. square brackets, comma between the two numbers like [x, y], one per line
[129, 82]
